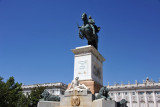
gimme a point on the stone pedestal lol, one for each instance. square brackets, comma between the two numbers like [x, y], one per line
[104, 103]
[76, 98]
[92, 85]
[88, 66]
[48, 104]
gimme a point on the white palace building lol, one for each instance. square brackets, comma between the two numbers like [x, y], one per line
[146, 94]
[53, 88]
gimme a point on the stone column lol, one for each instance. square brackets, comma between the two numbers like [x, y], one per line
[122, 95]
[130, 99]
[115, 97]
[154, 98]
[146, 100]
[138, 104]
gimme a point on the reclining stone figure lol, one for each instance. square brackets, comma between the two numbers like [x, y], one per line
[75, 85]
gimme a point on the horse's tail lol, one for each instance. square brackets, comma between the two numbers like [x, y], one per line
[80, 35]
[97, 29]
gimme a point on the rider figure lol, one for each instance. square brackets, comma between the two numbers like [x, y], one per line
[92, 23]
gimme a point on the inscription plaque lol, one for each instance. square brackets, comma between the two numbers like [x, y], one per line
[82, 67]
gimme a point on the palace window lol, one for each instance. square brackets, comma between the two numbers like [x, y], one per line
[149, 92]
[125, 93]
[119, 93]
[141, 93]
[158, 92]
[133, 93]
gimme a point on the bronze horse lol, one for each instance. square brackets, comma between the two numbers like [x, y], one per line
[89, 30]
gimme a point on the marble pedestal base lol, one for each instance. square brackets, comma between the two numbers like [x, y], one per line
[88, 64]
[85, 101]
[48, 104]
[92, 85]
[104, 103]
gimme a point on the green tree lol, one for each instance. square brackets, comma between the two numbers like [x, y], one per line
[23, 101]
[36, 95]
[11, 94]
[3, 93]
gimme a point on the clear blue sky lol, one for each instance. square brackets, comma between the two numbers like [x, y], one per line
[36, 38]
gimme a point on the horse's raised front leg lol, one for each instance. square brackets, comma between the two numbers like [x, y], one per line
[81, 35]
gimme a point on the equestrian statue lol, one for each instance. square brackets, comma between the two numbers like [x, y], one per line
[89, 30]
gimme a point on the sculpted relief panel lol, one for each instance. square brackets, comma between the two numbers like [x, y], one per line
[97, 70]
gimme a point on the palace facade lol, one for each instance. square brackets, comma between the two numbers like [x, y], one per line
[146, 94]
[53, 88]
